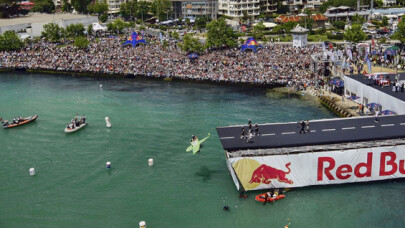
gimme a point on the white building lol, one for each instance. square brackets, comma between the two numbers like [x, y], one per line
[389, 2]
[300, 36]
[195, 8]
[297, 5]
[235, 8]
[114, 6]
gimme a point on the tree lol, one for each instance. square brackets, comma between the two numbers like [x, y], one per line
[51, 32]
[81, 5]
[258, 31]
[356, 19]
[384, 21]
[9, 8]
[282, 9]
[400, 33]
[43, 6]
[117, 25]
[143, 9]
[307, 21]
[339, 24]
[90, 30]
[220, 34]
[191, 44]
[81, 42]
[161, 9]
[175, 35]
[75, 30]
[355, 34]
[103, 18]
[66, 6]
[129, 9]
[98, 8]
[201, 22]
[10, 41]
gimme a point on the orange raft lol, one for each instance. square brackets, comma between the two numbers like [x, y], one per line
[264, 198]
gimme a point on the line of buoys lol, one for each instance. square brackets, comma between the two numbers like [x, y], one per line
[142, 224]
[108, 165]
[32, 171]
[150, 161]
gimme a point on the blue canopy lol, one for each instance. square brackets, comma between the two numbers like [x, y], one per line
[373, 105]
[134, 40]
[337, 82]
[388, 112]
[251, 43]
[353, 98]
[192, 56]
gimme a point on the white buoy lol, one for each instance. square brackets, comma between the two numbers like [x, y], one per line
[32, 171]
[150, 161]
[142, 224]
[107, 121]
[101, 85]
[108, 165]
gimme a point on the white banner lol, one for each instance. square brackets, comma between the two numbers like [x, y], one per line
[320, 168]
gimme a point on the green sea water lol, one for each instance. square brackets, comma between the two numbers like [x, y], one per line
[155, 119]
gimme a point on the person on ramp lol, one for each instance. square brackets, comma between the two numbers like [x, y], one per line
[303, 125]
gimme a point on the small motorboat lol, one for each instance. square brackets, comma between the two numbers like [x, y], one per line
[76, 125]
[76, 128]
[22, 121]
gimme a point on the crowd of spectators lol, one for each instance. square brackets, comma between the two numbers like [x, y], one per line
[272, 64]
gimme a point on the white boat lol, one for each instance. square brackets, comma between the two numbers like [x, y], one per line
[70, 130]
[107, 122]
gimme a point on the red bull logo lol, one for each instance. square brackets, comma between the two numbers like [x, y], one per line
[265, 174]
[252, 174]
[253, 43]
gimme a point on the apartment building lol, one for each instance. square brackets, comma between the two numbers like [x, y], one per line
[195, 8]
[296, 6]
[236, 8]
[114, 6]
[268, 6]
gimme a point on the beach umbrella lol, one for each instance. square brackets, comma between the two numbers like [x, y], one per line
[388, 112]
[373, 105]
[192, 56]
[353, 98]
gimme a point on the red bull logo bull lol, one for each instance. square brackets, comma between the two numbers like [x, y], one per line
[265, 174]
[252, 173]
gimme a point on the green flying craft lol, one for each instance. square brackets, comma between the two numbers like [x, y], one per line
[196, 144]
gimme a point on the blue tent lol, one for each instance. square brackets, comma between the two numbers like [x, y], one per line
[134, 40]
[251, 43]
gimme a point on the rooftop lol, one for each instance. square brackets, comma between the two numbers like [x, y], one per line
[39, 18]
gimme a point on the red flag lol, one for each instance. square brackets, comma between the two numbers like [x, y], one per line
[330, 46]
[373, 43]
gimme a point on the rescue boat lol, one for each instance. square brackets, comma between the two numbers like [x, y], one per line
[264, 198]
[23, 121]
